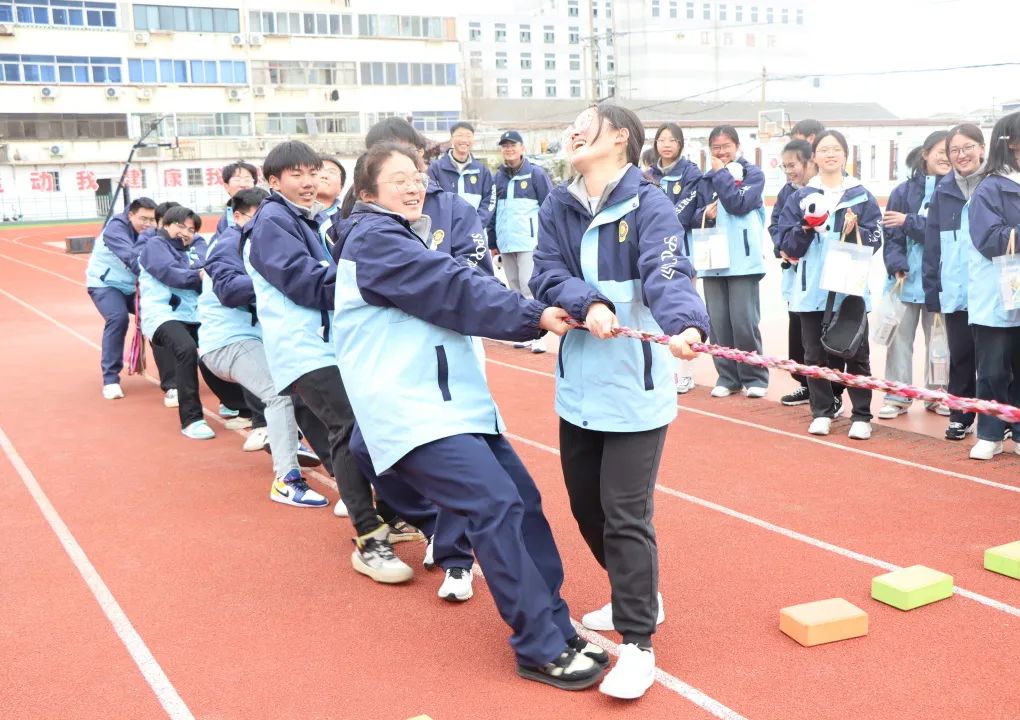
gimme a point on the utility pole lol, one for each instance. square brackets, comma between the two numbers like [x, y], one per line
[596, 86]
[764, 79]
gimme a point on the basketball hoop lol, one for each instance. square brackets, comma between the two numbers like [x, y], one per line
[772, 124]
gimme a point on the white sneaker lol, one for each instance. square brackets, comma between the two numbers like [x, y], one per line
[684, 384]
[756, 392]
[256, 440]
[820, 426]
[523, 344]
[429, 562]
[457, 585]
[891, 411]
[238, 423]
[538, 346]
[113, 391]
[860, 430]
[985, 449]
[720, 391]
[1016, 447]
[170, 398]
[602, 619]
[198, 430]
[339, 509]
[632, 675]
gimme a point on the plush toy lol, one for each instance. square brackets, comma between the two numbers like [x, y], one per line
[814, 215]
[737, 171]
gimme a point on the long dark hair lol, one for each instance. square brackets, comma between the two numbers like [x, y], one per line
[621, 118]
[1001, 159]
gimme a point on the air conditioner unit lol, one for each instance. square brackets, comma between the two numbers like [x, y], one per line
[48, 92]
[141, 38]
[6, 29]
[112, 92]
[259, 90]
[237, 40]
[256, 39]
[144, 93]
[233, 94]
[57, 150]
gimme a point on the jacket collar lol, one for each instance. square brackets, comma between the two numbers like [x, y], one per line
[419, 227]
[510, 172]
[175, 243]
[623, 186]
[299, 210]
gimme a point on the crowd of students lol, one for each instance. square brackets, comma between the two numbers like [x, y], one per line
[348, 334]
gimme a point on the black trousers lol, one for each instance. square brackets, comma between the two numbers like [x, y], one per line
[166, 366]
[997, 350]
[323, 392]
[796, 351]
[962, 370]
[181, 341]
[822, 395]
[610, 479]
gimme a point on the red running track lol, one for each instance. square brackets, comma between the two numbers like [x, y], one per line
[251, 610]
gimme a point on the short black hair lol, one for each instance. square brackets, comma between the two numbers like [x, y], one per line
[462, 125]
[163, 207]
[230, 170]
[800, 148]
[806, 128]
[395, 129]
[142, 202]
[248, 199]
[290, 155]
[179, 214]
[335, 161]
[675, 130]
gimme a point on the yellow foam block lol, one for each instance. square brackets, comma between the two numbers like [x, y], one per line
[912, 587]
[823, 621]
[1004, 559]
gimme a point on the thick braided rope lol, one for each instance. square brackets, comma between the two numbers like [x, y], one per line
[985, 407]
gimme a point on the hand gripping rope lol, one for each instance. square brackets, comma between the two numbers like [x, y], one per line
[986, 407]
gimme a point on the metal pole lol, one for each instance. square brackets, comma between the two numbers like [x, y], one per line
[123, 174]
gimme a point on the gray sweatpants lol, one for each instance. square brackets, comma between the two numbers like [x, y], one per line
[899, 355]
[734, 309]
[245, 363]
[518, 267]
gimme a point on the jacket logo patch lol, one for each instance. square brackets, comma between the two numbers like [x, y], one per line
[676, 189]
[437, 238]
[524, 184]
[624, 229]
[474, 179]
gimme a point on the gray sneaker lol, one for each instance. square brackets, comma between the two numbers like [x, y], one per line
[373, 556]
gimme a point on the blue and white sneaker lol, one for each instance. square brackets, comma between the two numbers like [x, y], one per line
[225, 412]
[293, 490]
[198, 430]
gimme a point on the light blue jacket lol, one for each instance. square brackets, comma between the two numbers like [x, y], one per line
[114, 259]
[403, 314]
[513, 226]
[994, 212]
[168, 282]
[811, 247]
[741, 212]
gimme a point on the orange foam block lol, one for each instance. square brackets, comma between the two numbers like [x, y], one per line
[823, 621]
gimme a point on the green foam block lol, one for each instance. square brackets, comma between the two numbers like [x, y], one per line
[912, 587]
[1004, 559]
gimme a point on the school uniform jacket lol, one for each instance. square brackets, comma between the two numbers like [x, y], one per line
[513, 226]
[168, 281]
[946, 260]
[903, 250]
[810, 245]
[680, 182]
[226, 307]
[629, 257]
[403, 314]
[114, 259]
[475, 184]
[741, 212]
[293, 275]
[994, 213]
[226, 220]
[789, 276]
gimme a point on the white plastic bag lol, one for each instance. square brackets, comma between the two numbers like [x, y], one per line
[938, 353]
[1008, 268]
[890, 313]
[710, 249]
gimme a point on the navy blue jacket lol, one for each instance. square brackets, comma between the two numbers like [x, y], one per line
[906, 198]
[475, 182]
[223, 263]
[167, 260]
[683, 193]
[944, 215]
[288, 252]
[538, 188]
[737, 200]
[226, 220]
[777, 210]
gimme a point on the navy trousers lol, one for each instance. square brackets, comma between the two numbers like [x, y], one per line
[450, 545]
[116, 307]
[481, 478]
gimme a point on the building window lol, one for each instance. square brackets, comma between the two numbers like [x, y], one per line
[525, 61]
[706, 38]
[476, 60]
[176, 72]
[572, 8]
[655, 8]
[477, 87]
[784, 16]
[320, 24]
[690, 11]
[435, 120]
[575, 62]
[673, 8]
[609, 38]
[770, 15]
[501, 61]
[525, 33]
[611, 64]
[406, 26]
[63, 13]
[177, 18]
[750, 40]
[722, 13]
[727, 39]
[574, 36]
[575, 88]
[754, 14]
[81, 70]
[213, 124]
[474, 32]
[502, 87]
[609, 8]
[738, 13]
[195, 177]
[549, 35]
[550, 61]
[526, 88]
[299, 123]
[308, 72]
[380, 73]
[41, 126]
[800, 16]
[550, 88]
[706, 11]
[500, 32]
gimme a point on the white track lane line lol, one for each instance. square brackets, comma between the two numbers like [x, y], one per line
[791, 534]
[82, 258]
[808, 438]
[43, 270]
[152, 672]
